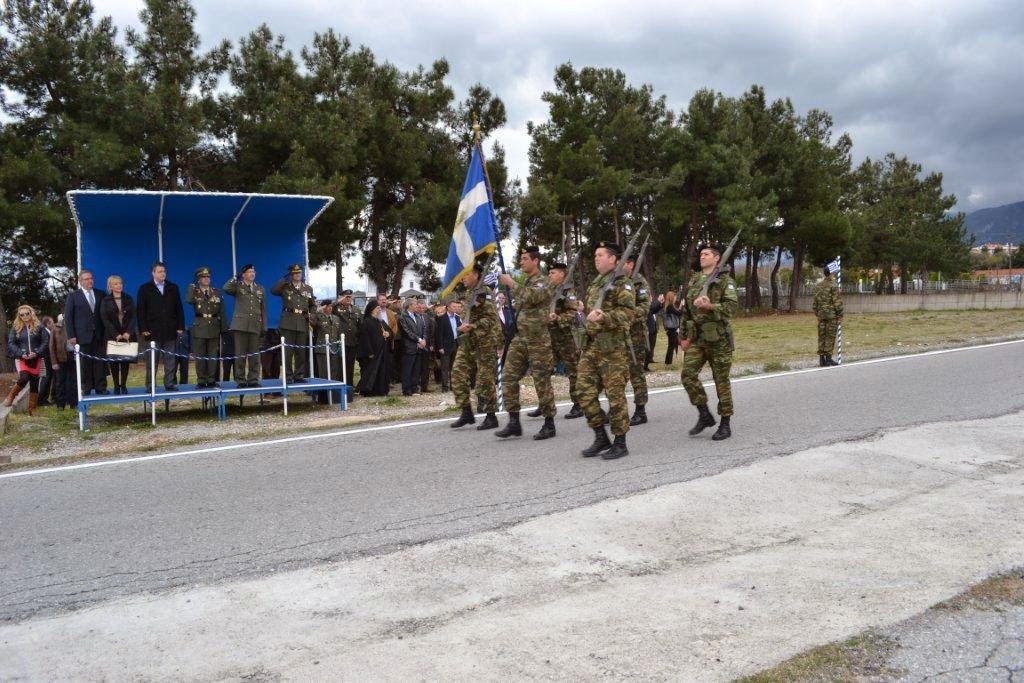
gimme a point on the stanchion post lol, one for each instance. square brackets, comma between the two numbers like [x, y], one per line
[312, 368]
[152, 381]
[344, 375]
[78, 375]
[284, 377]
[839, 328]
[327, 363]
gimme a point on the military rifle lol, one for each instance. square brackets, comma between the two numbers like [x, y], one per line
[723, 265]
[638, 278]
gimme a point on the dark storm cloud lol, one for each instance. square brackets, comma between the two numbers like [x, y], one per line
[940, 82]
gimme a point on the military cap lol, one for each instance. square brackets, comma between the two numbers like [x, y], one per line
[295, 268]
[326, 302]
[610, 246]
[558, 265]
[247, 266]
[532, 249]
[346, 292]
[202, 271]
[717, 248]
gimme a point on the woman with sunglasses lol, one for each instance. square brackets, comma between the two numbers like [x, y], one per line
[27, 343]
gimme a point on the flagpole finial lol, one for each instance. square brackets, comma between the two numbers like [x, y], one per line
[476, 129]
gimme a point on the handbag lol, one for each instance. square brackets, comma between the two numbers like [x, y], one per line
[121, 348]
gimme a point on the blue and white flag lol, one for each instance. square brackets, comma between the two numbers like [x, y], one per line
[833, 267]
[474, 232]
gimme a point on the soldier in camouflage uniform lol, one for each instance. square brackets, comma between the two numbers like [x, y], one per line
[208, 322]
[707, 338]
[531, 347]
[248, 323]
[480, 338]
[297, 305]
[828, 307]
[350, 319]
[326, 325]
[604, 363]
[561, 324]
[638, 340]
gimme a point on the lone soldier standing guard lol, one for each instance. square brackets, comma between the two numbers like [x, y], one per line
[561, 324]
[828, 307]
[638, 340]
[480, 338]
[707, 338]
[297, 305]
[531, 347]
[350, 319]
[207, 325]
[604, 363]
[248, 323]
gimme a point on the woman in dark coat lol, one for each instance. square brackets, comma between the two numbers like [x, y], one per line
[27, 343]
[117, 311]
[373, 353]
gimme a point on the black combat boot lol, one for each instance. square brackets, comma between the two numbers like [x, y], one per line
[574, 412]
[617, 450]
[601, 442]
[513, 428]
[723, 430]
[704, 421]
[829, 360]
[821, 360]
[466, 418]
[547, 431]
[639, 416]
[536, 412]
[490, 422]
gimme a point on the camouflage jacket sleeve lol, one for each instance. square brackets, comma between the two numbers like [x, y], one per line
[566, 318]
[729, 303]
[532, 295]
[619, 307]
[837, 302]
[486, 326]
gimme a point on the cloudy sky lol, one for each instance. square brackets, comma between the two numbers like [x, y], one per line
[941, 82]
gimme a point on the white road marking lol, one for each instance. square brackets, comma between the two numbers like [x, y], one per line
[417, 423]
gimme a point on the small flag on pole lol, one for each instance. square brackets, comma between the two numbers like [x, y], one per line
[833, 267]
[474, 232]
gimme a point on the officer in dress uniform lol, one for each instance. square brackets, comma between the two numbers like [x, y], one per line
[248, 323]
[350, 319]
[326, 325]
[604, 363]
[297, 305]
[706, 337]
[208, 322]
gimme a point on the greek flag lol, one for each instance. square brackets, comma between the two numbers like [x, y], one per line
[834, 266]
[474, 232]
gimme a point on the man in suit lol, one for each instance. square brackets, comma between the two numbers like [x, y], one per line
[413, 343]
[162, 320]
[83, 327]
[446, 340]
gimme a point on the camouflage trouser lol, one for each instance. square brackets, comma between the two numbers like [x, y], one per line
[638, 337]
[473, 363]
[206, 370]
[296, 359]
[564, 348]
[538, 357]
[720, 357]
[607, 371]
[827, 336]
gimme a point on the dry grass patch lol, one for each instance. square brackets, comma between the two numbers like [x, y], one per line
[862, 657]
[1002, 590]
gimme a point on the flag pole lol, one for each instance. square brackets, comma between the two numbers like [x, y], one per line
[509, 310]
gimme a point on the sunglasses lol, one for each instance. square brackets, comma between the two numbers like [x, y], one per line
[24, 315]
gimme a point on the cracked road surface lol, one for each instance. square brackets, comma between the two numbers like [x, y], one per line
[841, 514]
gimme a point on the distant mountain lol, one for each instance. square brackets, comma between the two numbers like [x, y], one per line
[1000, 224]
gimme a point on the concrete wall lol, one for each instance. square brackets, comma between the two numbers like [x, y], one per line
[934, 301]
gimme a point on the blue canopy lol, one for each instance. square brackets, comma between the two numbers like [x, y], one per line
[123, 232]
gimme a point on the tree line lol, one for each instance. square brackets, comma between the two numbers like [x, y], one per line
[86, 106]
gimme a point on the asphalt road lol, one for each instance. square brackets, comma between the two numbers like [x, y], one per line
[74, 537]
